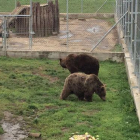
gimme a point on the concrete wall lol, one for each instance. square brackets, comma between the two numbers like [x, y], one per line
[132, 78]
[118, 57]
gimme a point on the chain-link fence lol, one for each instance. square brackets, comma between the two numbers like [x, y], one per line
[130, 25]
[13, 26]
[78, 27]
[82, 24]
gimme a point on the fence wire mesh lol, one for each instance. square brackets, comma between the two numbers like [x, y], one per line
[81, 25]
[130, 26]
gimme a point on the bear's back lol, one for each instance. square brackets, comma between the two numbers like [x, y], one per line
[87, 64]
[76, 82]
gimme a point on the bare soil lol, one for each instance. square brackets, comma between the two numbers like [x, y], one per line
[82, 37]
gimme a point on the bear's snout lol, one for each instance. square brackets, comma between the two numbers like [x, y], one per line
[103, 98]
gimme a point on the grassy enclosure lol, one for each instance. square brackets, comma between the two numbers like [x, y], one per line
[31, 88]
[89, 6]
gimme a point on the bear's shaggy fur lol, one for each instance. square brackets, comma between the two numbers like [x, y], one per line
[83, 86]
[80, 63]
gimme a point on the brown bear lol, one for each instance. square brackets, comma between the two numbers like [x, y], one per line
[80, 63]
[83, 86]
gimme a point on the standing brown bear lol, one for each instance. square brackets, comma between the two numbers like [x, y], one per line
[80, 63]
[83, 86]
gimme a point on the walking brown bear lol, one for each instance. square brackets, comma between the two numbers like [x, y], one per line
[83, 86]
[80, 63]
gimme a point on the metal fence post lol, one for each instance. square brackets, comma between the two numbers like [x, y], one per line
[116, 8]
[135, 36]
[5, 34]
[101, 6]
[30, 26]
[125, 20]
[108, 32]
[15, 4]
[131, 38]
[128, 29]
[67, 22]
[81, 6]
[121, 14]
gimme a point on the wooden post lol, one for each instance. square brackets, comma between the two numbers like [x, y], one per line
[34, 17]
[45, 19]
[27, 20]
[24, 23]
[41, 15]
[18, 4]
[38, 13]
[50, 18]
[57, 16]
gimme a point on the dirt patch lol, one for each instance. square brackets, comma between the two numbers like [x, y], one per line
[82, 36]
[90, 112]
[48, 77]
[64, 129]
[51, 107]
[13, 127]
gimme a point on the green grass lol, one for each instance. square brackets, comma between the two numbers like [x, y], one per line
[31, 88]
[117, 48]
[89, 6]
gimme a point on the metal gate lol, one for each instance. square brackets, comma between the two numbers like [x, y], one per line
[11, 38]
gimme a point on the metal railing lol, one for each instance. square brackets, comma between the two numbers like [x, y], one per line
[130, 26]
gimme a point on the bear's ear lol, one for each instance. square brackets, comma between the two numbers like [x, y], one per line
[102, 87]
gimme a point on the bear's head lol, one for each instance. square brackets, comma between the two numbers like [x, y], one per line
[101, 91]
[63, 62]
[95, 85]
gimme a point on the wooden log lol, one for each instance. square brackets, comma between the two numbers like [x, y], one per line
[45, 20]
[24, 22]
[34, 18]
[42, 23]
[50, 18]
[57, 25]
[38, 13]
[53, 13]
[20, 21]
[18, 4]
[16, 25]
[27, 21]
